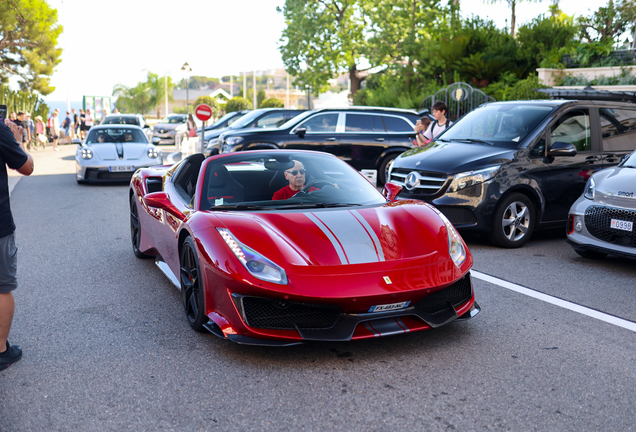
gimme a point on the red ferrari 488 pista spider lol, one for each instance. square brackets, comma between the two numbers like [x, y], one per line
[259, 263]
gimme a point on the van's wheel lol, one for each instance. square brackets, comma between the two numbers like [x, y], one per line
[513, 221]
[383, 171]
[192, 289]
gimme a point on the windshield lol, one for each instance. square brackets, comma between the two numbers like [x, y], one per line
[263, 180]
[175, 119]
[246, 119]
[630, 162]
[126, 120]
[300, 117]
[116, 135]
[504, 125]
[232, 116]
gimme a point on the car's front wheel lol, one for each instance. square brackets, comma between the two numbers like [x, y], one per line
[191, 286]
[383, 171]
[513, 221]
[135, 229]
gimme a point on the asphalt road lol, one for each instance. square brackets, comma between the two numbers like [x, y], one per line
[106, 345]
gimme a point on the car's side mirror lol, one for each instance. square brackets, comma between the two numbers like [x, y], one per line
[301, 131]
[156, 140]
[562, 149]
[161, 201]
[391, 191]
[146, 126]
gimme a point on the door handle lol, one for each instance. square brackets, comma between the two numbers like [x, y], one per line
[592, 159]
[379, 139]
[330, 139]
[612, 158]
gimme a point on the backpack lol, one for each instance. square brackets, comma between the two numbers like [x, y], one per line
[49, 122]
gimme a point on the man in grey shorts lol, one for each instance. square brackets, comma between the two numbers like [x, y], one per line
[13, 156]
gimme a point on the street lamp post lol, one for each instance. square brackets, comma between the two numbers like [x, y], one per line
[186, 67]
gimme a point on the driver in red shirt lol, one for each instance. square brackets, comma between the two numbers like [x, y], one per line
[296, 178]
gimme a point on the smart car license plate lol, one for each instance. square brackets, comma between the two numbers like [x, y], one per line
[621, 225]
[123, 168]
[389, 307]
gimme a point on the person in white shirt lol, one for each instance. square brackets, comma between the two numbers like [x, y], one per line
[88, 120]
[440, 124]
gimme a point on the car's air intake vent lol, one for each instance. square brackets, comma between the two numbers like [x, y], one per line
[598, 220]
[284, 315]
[456, 294]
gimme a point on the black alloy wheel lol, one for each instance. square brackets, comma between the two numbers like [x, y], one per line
[513, 221]
[191, 287]
[135, 229]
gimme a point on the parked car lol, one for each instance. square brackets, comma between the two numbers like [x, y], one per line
[263, 118]
[602, 220]
[507, 168]
[112, 153]
[365, 137]
[225, 121]
[166, 129]
[129, 119]
[335, 262]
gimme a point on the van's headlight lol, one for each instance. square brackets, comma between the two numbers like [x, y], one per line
[456, 248]
[590, 189]
[87, 153]
[471, 178]
[255, 263]
[153, 152]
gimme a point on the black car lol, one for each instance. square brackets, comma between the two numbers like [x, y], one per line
[507, 168]
[263, 118]
[365, 137]
[225, 121]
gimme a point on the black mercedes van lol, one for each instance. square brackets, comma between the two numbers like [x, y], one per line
[508, 168]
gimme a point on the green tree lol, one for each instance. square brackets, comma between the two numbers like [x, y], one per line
[135, 99]
[208, 100]
[272, 103]
[609, 22]
[157, 86]
[260, 97]
[323, 39]
[28, 43]
[238, 104]
[543, 38]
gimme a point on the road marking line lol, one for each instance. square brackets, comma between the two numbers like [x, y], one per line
[610, 319]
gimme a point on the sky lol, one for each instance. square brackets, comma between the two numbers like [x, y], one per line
[121, 40]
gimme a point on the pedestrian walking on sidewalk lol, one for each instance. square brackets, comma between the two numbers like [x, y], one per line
[13, 156]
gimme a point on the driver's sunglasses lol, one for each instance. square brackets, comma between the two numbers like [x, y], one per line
[296, 172]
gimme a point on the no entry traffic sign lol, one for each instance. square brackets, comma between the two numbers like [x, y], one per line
[203, 112]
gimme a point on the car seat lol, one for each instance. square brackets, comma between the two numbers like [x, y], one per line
[222, 188]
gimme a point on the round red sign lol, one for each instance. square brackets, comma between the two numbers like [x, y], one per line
[203, 112]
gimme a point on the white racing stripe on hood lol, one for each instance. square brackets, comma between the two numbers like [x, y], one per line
[354, 241]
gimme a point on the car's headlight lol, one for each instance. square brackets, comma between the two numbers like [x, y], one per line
[153, 152]
[212, 143]
[590, 189]
[232, 141]
[471, 178]
[255, 263]
[456, 248]
[87, 153]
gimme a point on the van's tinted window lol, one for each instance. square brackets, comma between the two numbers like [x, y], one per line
[574, 128]
[396, 124]
[363, 123]
[618, 127]
[500, 124]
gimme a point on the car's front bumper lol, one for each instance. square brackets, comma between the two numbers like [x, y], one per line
[99, 173]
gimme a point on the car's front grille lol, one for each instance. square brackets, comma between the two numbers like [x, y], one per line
[94, 174]
[427, 182]
[598, 220]
[457, 294]
[284, 315]
[459, 216]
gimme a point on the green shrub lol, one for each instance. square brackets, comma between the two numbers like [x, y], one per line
[179, 110]
[272, 103]
[237, 104]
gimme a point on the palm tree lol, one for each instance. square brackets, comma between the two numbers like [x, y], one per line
[157, 86]
[513, 6]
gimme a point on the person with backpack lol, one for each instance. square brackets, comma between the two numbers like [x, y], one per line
[440, 124]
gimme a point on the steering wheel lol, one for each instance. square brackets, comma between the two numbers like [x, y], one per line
[313, 183]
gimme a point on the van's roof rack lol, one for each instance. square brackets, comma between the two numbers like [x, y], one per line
[588, 93]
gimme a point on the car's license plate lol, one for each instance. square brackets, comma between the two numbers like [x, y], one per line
[389, 307]
[121, 168]
[622, 225]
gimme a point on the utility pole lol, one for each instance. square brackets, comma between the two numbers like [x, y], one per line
[186, 67]
[254, 88]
